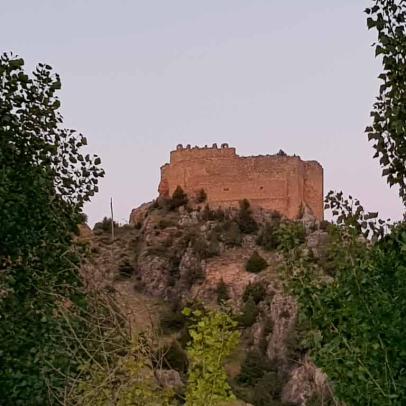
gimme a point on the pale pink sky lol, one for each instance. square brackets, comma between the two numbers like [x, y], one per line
[140, 77]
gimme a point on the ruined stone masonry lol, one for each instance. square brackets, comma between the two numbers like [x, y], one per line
[273, 182]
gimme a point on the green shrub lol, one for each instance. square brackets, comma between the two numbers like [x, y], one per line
[212, 215]
[290, 235]
[173, 356]
[222, 292]
[267, 237]
[255, 263]
[249, 313]
[246, 222]
[253, 368]
[104, 225]
[231, 233]
[171, 320]
[179, 198]
[324, 225]
[255, 290]
[267, 391]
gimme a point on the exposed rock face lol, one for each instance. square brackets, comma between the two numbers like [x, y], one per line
[318, 242]
[169, 379]
[180, 256]
[273, 182]
[305, 382]
[138, 215]
[283, 316]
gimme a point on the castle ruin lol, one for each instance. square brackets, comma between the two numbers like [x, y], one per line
[273, 182]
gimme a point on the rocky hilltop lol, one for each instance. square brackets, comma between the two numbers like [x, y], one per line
[175, 253]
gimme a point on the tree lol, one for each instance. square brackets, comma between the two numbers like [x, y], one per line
[388, 129]
[255, 263]
[245, 220]
[214, 337]
[44, 182]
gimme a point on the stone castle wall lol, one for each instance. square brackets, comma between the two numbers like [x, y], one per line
[273, 182]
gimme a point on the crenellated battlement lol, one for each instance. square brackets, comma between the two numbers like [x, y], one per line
[190, 153]
[276, 182]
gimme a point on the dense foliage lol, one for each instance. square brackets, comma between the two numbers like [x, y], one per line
[388, 129]
[357, 318]
[44, 182]
[213, 338]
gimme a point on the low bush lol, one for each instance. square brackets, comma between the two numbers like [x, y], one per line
[255, 290]
[290, 235]
[255, 263]
[267, 237]
[267, 391]
[253, 368]
[171, 320]
[179, 198]
[173, 356]
[104, 225]
[246, 222]
[249, 313]
[230, 233]
[222, 292]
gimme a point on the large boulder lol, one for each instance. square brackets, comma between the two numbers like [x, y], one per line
[306, 382]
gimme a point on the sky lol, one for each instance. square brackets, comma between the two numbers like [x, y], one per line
[140, 77]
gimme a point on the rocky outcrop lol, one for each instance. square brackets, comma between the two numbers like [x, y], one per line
[317, 242]
[138, 215]
[283, 317]
[169, 379]
[184, 255]
[306, 382]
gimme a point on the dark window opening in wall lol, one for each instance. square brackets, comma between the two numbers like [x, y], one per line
[226, 189]
[261, 187]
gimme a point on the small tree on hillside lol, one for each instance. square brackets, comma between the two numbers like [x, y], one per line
[179, 198]
[255, 263]
[245, 220]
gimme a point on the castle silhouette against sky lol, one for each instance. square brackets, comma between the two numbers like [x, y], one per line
[273, 182]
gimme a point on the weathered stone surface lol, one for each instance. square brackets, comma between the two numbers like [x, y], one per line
[305, 382]
[273, 182]
[169, 379]
[138, 215]
[283, 316]
[318, 242]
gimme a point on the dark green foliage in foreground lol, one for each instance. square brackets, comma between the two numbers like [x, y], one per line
[388, 129]
[255, 263]
[44, 182]
[356, 331]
